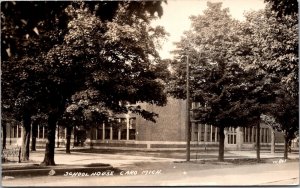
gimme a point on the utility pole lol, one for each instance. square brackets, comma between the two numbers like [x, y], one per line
[187, 123]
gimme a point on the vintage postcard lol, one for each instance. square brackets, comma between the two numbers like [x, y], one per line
[149, 93]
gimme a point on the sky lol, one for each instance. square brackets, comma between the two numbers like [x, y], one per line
[177, 12]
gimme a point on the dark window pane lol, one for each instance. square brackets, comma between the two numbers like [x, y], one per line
[132, 134]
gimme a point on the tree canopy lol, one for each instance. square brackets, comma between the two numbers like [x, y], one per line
[284, 7]
[277, 38]
[217, 80]
[238, 69]
[108, 56]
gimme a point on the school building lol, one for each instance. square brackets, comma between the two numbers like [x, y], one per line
[134, 132]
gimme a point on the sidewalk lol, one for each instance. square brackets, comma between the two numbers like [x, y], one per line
[96, 161]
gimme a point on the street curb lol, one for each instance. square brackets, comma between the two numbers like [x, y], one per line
[58, 171]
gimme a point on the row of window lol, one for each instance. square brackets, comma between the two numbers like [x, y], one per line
[250, 135]
[117, 131]
[201, 132]
[16, 132]
[208, 133]
[204, 133]
[113, 134]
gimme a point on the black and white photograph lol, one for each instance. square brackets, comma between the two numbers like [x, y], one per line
[149, 93]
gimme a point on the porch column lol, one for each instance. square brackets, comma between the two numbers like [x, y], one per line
[193, 130]
[57, 130]
[250, 139]
[119, 130]
[216, 134]
[239, 138]
[127, 126]
[211, 133]
[119, 134]
[103, 131]
[199, 132]
[272, 141]
[43, 132]
[205, 133]
[17, 131]
[111, 132]
[253, 131]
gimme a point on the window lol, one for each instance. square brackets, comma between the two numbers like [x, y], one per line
[45, 131]
[107, 133]
[99, 133]
[248, 135]
[208, 135]
[202, 129]
[132, 123]
[195, 136]
[115, 134]
[19, 131]
[123, 128]
[132, 134]
[231, 135]
[14, 132]
[61, 132]
[231, 139]
[132, 128]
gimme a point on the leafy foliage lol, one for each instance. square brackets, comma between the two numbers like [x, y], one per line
[284, 7]
[54, 46]
[274, 43]
[218, 82]
[104, 48]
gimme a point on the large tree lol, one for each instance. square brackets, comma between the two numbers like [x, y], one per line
[273, 43]
[115, 60]
[218, 82]
[108, 48]
[25, 33]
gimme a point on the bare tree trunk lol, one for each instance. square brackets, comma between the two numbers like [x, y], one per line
[221, 144]
[4, 134]
[286, 145]
[50, 145]
[68, 138]
[34, 134]
[26, 137]
[258, 140]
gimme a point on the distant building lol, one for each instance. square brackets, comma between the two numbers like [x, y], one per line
[167, 133]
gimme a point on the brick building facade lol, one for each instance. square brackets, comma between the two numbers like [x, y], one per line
[167, 133]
